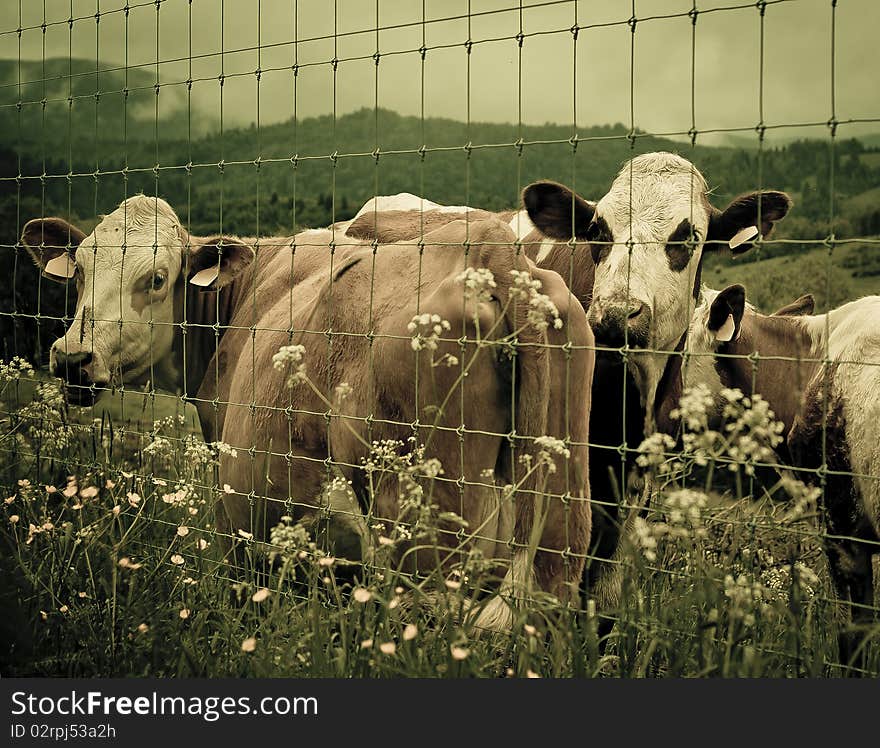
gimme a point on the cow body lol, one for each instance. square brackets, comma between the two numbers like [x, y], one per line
[616, 413]
[349, 304]
[820, 375]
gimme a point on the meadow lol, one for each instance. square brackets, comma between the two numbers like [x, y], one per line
[112, 565]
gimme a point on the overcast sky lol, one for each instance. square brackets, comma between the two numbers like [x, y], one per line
[559, 79]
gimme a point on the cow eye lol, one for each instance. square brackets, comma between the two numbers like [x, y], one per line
[158, 282]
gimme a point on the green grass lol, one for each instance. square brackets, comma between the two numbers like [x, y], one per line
[105, 575]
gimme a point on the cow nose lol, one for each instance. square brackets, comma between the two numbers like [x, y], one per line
[71, 366]
[635, 313]
[620, 322]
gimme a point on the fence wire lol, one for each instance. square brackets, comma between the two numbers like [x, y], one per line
[225, 174]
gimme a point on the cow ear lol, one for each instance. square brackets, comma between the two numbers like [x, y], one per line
[726, 313]
[214, 262]
[746, 217]
[801, 306]
[556, 211]
[52, 243]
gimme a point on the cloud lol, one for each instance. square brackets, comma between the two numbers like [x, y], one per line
[552, 77]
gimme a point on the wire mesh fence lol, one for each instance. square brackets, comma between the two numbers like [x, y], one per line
[308, 369]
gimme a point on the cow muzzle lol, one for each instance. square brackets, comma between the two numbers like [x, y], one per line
[77, 371]
[618, 324]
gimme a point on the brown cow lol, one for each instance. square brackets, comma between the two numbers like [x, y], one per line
[830, 411]
[349, 305]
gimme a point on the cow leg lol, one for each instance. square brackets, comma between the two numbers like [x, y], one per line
[616, 419]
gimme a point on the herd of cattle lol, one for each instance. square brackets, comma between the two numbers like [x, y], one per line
[157, 303]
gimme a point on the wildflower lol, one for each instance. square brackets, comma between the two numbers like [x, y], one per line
[202, 544]
[645, 539]
[82, 594]
[459, 653]
[530, 630]
[453, 585]
[326, 561]
[182, 531]
[388, 648]
[13, 519]
[126, 563]
[177, 559]
[410, 632]
[343, 390]
[426, 330]
[17, 368]
[246, 535]
[366, 643]
[71, 490]
[290, 358]
[9, 499]
[116, 510]
[260, 595]
[541, 309]
[184, 613]
[143, 628]
[532, 674]
[478, 283]
[227, 488]
[654, 449]
[385, 541]
[50, 489]
[24, 483]
[249, 644]
[362, 595]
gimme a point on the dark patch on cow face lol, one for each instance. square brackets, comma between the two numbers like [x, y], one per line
[680, 246]
[599, 236]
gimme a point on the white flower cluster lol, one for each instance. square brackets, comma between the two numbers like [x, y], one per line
[541, 309]
[290, 358]
[426, 330]
[288, 540]
[653, 452]
[45, 420]
[746, 597]
[478, 283]
[15, 369]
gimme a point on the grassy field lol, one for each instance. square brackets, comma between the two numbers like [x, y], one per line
[111, 566]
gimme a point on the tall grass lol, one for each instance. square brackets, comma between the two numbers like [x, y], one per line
[112, 566]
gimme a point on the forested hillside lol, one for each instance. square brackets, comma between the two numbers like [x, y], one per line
[96, 150]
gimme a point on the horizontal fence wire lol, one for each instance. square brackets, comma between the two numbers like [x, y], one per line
[709, 512]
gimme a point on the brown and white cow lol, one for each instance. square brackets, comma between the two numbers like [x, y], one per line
[349, 303]
[820, 375]
[647, 236]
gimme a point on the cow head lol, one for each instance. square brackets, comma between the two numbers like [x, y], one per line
[129, 280]
[647, 237]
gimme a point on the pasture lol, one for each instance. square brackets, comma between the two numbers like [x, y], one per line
[320, 371]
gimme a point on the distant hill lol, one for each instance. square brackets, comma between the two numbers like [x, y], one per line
[311, 171]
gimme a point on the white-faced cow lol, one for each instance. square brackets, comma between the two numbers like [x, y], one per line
[820, 375]
[349, 304]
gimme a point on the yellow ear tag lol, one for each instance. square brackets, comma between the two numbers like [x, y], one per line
[743, 235]
[725, 333]
[61, 267]
[205, 277]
